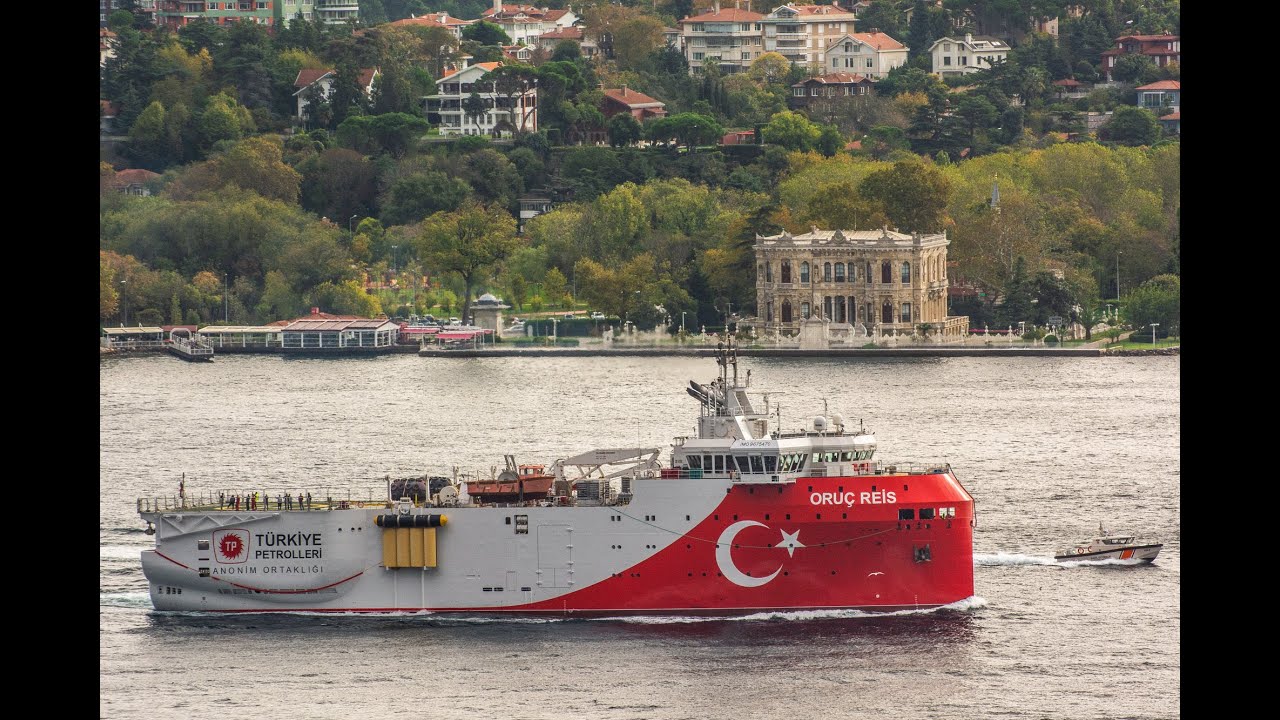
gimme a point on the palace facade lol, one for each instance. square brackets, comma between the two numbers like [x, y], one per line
[863, 282]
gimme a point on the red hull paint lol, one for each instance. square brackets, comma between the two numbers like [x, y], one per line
[858, 556]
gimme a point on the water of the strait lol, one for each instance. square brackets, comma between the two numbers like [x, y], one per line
[1048, 447]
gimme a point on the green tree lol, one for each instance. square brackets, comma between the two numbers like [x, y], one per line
[1134, 69]
[554, 284]
[830, 141]
[414, 197]
[635, 39]
[792, 130]
[468, 241]
[393, 133]
[1131, 126]
[1157, 300]
[474, 108]
[484, 32]
[624, 130]
[914, 195]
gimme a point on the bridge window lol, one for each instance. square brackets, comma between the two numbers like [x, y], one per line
[757, 464]
[744, 465]
[770, 463]
[719, 463]
[695, 461]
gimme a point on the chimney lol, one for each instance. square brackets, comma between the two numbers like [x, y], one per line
[716, 5]
[315, 311]
[497, 6]
[624, 89]
[968, 37]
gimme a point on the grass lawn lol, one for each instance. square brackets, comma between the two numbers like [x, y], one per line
[1168, 342]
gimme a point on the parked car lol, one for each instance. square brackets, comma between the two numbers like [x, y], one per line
[569, 316]
[597, 315]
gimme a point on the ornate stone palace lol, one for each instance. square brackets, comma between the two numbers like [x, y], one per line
[842, 284]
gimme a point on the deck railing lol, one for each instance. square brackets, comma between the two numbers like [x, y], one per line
[303, 501]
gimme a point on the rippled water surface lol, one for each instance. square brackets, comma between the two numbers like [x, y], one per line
[1049, 447]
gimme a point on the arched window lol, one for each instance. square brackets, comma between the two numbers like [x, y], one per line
[786, 310]
[826, 272]
[786, 271]
[804, 273]
[768, 272]
[886, 272]
[869, 275]
[804, 310]
[839, 272]
[906, 273]
[768, 311]
[886, 312]
[906, 312]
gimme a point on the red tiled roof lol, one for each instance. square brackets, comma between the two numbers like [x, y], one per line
[725, 15]
[569, 33]
[417, 21]
[307, 76]
[553, 15]
[832, 9]
[878, 40]
[488, 67]
[515, 9]
[109, 109]
[1067, 82]
[134, 176]
[1173, 116]
[1163, 85]
[855, 145]
[837, 78]
[1147, 38]
[631, 98]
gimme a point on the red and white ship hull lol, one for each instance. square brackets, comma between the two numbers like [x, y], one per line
[681, 546]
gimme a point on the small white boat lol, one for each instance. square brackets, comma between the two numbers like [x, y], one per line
[1112, 547]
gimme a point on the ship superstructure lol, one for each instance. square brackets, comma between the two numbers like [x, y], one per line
[742, 518]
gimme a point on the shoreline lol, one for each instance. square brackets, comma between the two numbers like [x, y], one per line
[700, 351]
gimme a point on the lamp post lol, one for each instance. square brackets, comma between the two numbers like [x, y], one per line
[351, 226]
[682, 314]
[1118, 254]
[1153, 333]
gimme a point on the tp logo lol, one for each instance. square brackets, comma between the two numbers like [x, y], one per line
[231, 547]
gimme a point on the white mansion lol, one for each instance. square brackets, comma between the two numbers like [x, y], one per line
[858, 283]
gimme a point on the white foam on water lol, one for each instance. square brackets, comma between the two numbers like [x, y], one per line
[1099, 563]
[126, 599]
[970, 603]
[1004, 558]
[121, 552]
